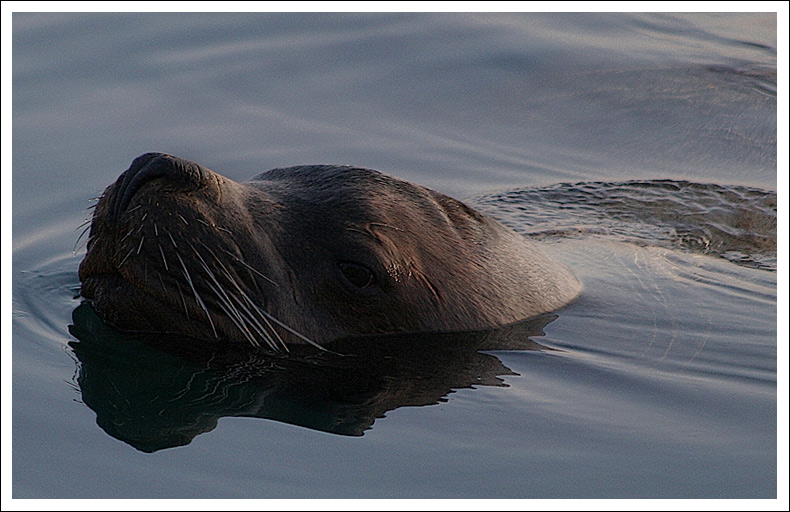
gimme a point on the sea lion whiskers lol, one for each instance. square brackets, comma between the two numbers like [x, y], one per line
[87, 243]
[126, 235]
[286, 327]
[162, 283]
[197, 296]
[226, 298]
[265, 330]
[265, 316]
[262, 330]
[173, 240]
[77, 245]
[259, 328]
[181, 293]
[244, 263]
[230, 310]
[125, 258]
[162, 252]
[233, 315]
[84, 223]
[141, 221]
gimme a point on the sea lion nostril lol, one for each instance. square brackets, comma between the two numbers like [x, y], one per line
[149, 166]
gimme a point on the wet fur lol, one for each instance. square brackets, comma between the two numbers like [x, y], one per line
[175, 247]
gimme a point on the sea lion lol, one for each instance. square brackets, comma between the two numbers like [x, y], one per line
[304, 254]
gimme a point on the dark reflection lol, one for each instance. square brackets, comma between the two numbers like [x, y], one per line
[160, 392]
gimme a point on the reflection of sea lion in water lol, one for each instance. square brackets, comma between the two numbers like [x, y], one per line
[304, 254]
[156, 392]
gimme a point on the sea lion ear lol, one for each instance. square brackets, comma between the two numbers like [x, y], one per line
[468, 223]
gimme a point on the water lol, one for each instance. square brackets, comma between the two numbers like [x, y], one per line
[638, 148]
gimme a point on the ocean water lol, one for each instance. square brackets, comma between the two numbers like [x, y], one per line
[640, 149]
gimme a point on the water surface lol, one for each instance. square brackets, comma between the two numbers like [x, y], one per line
[638, 148]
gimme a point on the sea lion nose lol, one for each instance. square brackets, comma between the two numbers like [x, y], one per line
[185, 175]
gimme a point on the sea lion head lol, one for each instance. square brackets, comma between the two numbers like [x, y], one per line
[304, 254]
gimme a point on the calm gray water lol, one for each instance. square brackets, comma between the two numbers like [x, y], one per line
[638, 148]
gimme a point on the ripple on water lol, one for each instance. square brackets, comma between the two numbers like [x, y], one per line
[733, 222]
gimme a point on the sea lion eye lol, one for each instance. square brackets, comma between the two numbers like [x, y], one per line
[358, 275]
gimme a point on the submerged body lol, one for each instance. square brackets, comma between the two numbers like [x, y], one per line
[305, 255]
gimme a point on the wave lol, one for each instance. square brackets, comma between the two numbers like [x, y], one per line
[734, 222]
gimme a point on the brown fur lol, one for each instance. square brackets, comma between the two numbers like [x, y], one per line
[288, 240]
